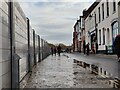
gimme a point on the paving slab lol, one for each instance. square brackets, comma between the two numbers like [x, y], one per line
[62, 72]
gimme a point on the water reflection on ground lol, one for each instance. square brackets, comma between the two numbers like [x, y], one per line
[62, 72]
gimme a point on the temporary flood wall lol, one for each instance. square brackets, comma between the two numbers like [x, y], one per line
[21, 48]
[5, 49]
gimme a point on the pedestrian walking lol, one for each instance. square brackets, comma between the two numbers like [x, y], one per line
[84, 47]
[70, 50]
[93, 48]
[87, 46]
[52, 51]
[67, 50]
[59, 49]
[96, 47]
[55, 51]
[117, 46]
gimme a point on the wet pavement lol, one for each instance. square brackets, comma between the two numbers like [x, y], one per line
[62, 72]
[111, 65]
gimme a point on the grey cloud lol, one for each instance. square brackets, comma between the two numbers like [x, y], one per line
[59, 38]
[54, 20]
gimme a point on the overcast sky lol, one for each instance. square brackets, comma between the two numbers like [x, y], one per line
[53, 20]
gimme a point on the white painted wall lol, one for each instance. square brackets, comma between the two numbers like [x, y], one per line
[106, 23]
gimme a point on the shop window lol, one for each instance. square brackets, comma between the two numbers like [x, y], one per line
[114, 30]
[103, 36]
[114, 6]
[103, 11]
[99, 14]
[108, 36]
[99, 37]
[107, 7]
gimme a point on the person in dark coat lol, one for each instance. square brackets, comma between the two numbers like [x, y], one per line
[93, 48]
[117, 46]
[96, 47]
[87, 46]
[59, 50]
[52, 51]
[55, 51]
[84, 47]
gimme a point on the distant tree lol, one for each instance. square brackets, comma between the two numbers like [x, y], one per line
[51, 45]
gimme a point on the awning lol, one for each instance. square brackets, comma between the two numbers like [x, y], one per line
[92, 32]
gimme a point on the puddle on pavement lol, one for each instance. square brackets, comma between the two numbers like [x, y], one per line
[60, 72]
[84, 79]
[68, 57]
[99, 73]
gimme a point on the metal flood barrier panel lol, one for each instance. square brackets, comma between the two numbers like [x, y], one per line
[28, 35]
[47, 49]
[42, 49]
[36, 48]
[21, 47]
[21, 39]
[39, 52]
[31, 47]
[5, 48]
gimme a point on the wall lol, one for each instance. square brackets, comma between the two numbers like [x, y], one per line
[21, 39]
[36, 47]
[5, 71]
[31, 47]
[14, 43]
[106, 23]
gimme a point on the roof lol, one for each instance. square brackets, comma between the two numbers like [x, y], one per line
[90, 9]
[76, 23]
